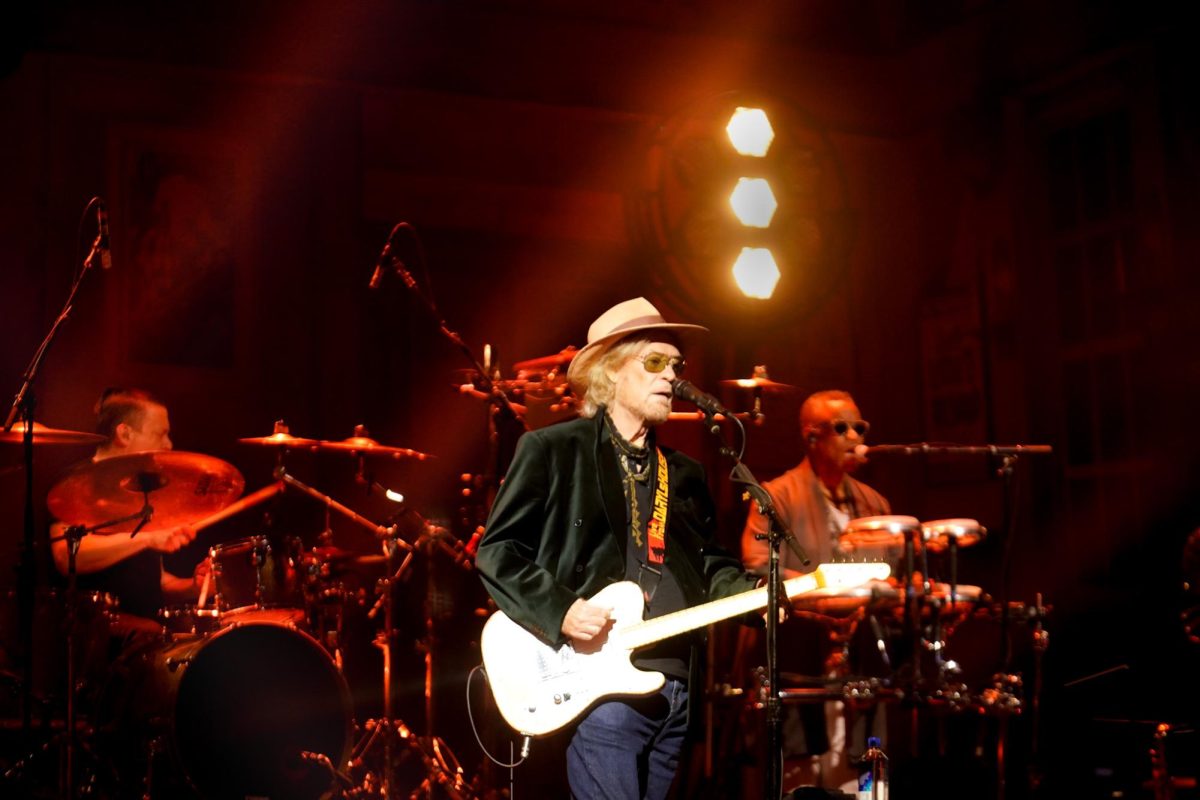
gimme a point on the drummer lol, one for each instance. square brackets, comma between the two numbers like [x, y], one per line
[816, 499]
[131, 568]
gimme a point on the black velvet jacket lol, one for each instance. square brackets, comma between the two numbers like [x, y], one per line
[557, 529]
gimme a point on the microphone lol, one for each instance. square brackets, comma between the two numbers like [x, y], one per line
[684, 390]
[100, 246]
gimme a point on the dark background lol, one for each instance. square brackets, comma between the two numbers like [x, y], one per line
[986, 227]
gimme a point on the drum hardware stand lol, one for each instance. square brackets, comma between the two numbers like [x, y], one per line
[386, 727]
[389, 728]
[23, 407]
[913, 604]
[1041, 641]
[393, 543]
[318, 600]
[73, 535]
[1160, 776]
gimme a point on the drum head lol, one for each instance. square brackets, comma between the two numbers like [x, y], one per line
[253, 699]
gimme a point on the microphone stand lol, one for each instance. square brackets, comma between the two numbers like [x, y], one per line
[24, 405]
[777, 533]
[495, 394]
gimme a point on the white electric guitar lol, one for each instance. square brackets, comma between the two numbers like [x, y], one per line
[539, 689]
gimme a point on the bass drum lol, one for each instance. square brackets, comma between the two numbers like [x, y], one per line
[236, 711]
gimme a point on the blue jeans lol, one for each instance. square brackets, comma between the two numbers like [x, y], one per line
[629, 749]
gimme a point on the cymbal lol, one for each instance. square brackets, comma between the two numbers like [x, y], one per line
[45, 435]
[759, 383]
[879, 531]
[759, 380]
[182, 488]
[559, 359]
[280, 440]
[362, 444]
[282, 437]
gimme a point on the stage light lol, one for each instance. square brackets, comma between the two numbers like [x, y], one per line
[756, 272]
[750, 131]
[753, 202]
[690, 215]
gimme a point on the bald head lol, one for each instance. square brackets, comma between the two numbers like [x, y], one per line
[832, 428]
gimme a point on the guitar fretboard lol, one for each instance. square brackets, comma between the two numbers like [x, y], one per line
[689, 619]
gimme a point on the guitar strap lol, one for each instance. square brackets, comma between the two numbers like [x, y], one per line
[656, 528]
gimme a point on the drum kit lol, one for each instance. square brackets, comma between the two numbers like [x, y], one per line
[242, 693]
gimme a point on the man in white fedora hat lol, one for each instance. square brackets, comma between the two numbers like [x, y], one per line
[594, 501]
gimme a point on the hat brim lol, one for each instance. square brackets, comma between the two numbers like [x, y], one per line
[582, 361]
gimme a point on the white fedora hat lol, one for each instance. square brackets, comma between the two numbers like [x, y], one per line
[623, 319]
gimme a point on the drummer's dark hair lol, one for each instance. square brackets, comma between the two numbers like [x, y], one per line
[117, 405]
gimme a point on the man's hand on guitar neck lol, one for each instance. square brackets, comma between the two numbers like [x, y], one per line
[585, 621]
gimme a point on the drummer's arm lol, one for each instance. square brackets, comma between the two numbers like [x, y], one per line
[97, 552]
[177, 589]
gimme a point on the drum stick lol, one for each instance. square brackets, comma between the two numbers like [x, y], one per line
[204, 589]
[240, 505]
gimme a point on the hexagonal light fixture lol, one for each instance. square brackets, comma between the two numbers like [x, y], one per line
[753, 202]
[756, 273]
[750, 131]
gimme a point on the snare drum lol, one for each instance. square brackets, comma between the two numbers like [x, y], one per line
[236, 711]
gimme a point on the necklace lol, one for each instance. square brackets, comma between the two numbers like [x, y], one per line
[633, 461]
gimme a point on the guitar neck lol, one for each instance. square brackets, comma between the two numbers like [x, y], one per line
[689, 619]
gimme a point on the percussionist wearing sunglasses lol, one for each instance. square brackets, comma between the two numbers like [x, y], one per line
[817, 498]
[597, 500]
